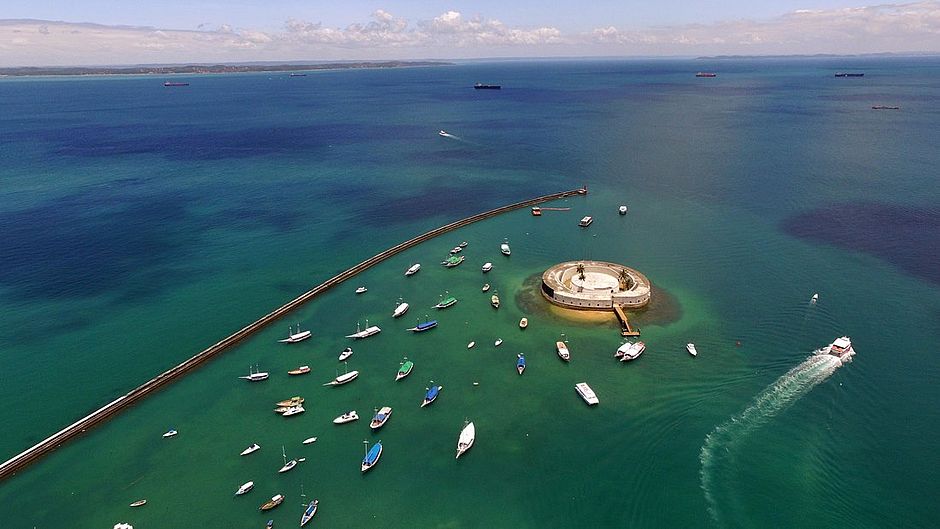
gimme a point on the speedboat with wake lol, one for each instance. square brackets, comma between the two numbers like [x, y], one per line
[841, 348]
[298, 336]
[431, 395]
[465, 441]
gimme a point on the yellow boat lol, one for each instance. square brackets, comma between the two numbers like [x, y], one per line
[293, 401]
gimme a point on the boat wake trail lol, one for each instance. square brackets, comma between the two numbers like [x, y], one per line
[721, 445]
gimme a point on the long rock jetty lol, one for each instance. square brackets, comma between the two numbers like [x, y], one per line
[13, 465]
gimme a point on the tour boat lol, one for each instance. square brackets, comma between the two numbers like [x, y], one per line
[426, 325]
[367, 332]
[520, 363]
[273, 502]
[622, 210]
[413, 269]
[170, 433]
[294, 337]
[471, 345]
[309, 440]
[302, 370]
[255, 376]
[288, 465]
[309, 512]
[690, 347]
[465, 441]
[406, 367]
[563, 353]
[487, 267]
[431, 395]
[630, 351]
[842, 349]
[815, 298]
[504, 248]
[453, 261]
[346, 353]
[343, 379]
[523, 323]
[245, 488]
[449, 301]
[498, 342]
[400, 309]
[380, 418]
[486, 286]
[253, 448]
[138, 503]
[586, 393]
[586, 221]
[494, 301]
[372, 456]
[349, 416]
[293, 401]
[361, 290]
[293, 410]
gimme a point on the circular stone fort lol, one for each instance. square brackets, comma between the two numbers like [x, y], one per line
[595, 285]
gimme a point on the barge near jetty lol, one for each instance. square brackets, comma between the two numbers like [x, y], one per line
[18, 462]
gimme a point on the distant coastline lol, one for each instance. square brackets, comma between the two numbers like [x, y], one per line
[193, 69]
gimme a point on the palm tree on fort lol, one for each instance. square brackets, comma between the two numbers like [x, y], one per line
[581, 271]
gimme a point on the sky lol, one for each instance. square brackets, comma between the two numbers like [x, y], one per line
[96, 32]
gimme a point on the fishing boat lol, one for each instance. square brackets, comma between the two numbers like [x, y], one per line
[372, 456]
[400, 309]
[405, 369]
[380, 418]
[309, 440]
[309, 512]
[494, 301]
[273, 502]
[471, 345]
[453, 261]
[504, 248]
[364, 333]
[294, 337]
[170, 433]
[139, 503]
[465, 441]
[255, 376]
[630, 351]
[563, 353]
[245, 488]
[487, 267]
[288, 465]
[449, 301]
[293, 401]
[361, 290]
[690, 347]
[293, 410]
[345, 378]
[413, 269]
[520, 363]
[302, 370]
[251, 449]
[486, 286]
[586, 221]
[431, 395]
[622, 210]
[346, 353]
[814, 299]
[349, 416]
[841, 348]
[523, 323]
[498, 342]
[586, 393]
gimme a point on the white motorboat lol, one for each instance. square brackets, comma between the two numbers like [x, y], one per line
[486, 286]
[343, 379]
[347, 352]
[486, 268]
[504, 248]
[245, 488]
[586, 221]
[251, 449]
[498, 342]
[170, 433]
[293, 410]
[842, 349]
[463, 244]
[563, 353]
[361, 290]
[630, 351]
[815, 298]
[310, 440]
[622, 210]
[349, 416]
[443, 133]
[690, 347]
[364, 333]
[470, 345]
[586, 393]
[413, 269]
[400, 309]
[456, 249]
[288, 465]
[296, 336]
[255, 376]
[523, 323]
[465, 441]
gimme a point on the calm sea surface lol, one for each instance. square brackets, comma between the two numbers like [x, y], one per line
[139, 224]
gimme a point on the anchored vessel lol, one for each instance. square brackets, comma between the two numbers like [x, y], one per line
[465, 441]
[372, 456]
[706, 74]
[630, 351]
[273, 502]
[586, 393]
[294, 337]
[368, 331]
[406, 367]
[309, 512]
[481, 86]
[380, 418]
[586, 221]
[431, 395]
[349, 416]
[846, 74]
[413, 269]
[563, 351]
[245, 488]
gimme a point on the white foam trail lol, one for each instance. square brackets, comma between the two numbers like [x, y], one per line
[721, 444]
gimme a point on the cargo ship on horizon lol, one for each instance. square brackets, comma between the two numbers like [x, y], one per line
[481, 86]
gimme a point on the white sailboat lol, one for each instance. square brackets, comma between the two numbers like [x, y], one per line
[288, 465]
[413, 269]
[253, 448]
[255, 376]
[465, 441]
[298, 336]
[364, 333]
[345, 378]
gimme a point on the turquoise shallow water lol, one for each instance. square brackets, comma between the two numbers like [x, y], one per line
[139, 224]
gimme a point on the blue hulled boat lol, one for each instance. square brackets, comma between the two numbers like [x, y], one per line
[421, 327]
[431, 395]
[520, 364]
[372, 456]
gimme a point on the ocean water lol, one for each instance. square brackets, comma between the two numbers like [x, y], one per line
[139, 224]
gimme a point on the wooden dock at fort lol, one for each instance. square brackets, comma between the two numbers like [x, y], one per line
[625, 328]
[11, 466]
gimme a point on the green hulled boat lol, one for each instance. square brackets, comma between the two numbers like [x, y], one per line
[452, 261]
[405, 369]
[446, 302]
